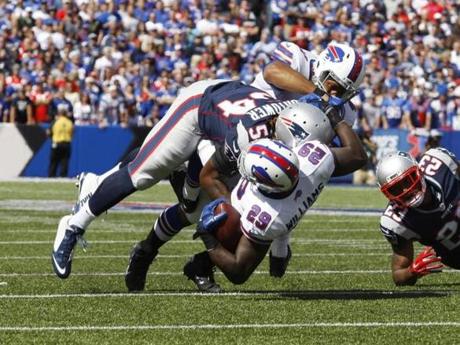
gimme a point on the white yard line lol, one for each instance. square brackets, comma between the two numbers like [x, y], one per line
[186, 230]
[168, 256]
[294, 240]
[166, 273]
[221, 294]
[234, 326]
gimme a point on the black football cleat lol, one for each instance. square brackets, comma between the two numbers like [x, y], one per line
[140, 259]
[201, 272]
[279, 265]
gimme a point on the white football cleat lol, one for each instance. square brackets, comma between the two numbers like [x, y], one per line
[67, 237]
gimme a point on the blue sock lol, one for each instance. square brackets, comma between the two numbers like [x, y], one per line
[168, 224]
[112, 190]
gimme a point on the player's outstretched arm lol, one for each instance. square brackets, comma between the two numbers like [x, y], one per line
[406, 270]
[351, 156]
[284, 77]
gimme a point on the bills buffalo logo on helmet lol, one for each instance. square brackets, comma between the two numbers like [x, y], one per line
[335, 54]
[263, 177]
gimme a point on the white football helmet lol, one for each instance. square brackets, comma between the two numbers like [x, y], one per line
[344, 65]
[303, 121]
[270, 165]
[401, 180]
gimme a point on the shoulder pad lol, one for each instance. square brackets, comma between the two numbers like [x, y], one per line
[445, 156]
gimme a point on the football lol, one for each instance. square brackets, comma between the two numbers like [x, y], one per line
[229, 232]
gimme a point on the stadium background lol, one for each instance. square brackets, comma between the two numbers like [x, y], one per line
[117, 66]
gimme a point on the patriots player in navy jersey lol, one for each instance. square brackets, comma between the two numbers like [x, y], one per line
[204, 110]
[424, 207]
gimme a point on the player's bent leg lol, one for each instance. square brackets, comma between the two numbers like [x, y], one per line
[168, 224]
[66, 238]
[200, 269]
[140, 259]
[280, 255]
[87, 184]
[278, 265]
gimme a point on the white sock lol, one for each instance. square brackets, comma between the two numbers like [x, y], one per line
[83, 218]
[190, 192]
[279, 246]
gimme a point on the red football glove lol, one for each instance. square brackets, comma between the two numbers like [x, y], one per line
[426, 262]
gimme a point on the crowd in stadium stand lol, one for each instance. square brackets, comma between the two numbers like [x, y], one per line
[122, 62]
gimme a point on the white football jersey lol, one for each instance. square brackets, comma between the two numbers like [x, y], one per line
[263, 218]
[302, 61]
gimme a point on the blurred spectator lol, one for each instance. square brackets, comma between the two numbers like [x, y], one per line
[82, 46]
[41, 98]
[366, 175]
[392, 113]
[59, 100]
[112, 109]
[21, 109]
[436, 115]
[61, 133]
[84, 113]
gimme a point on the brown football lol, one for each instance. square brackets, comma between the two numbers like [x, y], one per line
[229, 232]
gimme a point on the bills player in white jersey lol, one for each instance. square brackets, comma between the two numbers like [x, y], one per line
[278, 186]
[294, 72]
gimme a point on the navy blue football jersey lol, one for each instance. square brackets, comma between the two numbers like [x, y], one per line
[438, 227]
[230, 110]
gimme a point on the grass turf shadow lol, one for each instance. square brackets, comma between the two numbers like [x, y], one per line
[356, 294]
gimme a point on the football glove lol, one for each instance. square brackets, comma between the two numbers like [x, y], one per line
[426, 262]
[209, 222]
[333, 108]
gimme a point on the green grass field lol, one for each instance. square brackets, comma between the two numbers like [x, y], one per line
[337, 290]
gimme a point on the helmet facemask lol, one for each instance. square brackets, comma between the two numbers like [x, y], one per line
[407, 190]
[345, 89]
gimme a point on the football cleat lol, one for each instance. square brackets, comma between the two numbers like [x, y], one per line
[67, 237]
[202, 275]
[279, 265]
[87, 184]
[140, 259]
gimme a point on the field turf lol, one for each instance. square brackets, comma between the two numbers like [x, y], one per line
[337, 290]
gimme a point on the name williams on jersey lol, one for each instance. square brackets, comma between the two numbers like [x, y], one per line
[304, 205]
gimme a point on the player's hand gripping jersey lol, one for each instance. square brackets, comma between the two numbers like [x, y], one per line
[263, 218]
[233, 112]
[439, 227]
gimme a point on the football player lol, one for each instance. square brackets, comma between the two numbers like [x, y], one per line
[206, 109]
[293, 72]
[278, 186]
[294, 123]
[424, 207]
